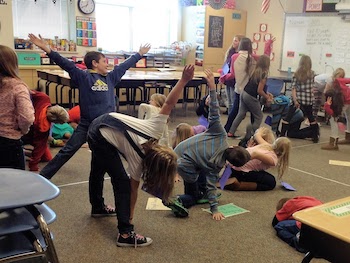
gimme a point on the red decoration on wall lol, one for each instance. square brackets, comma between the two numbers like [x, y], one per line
[265, 6]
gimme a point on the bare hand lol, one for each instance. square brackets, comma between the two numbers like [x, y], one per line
[329, 100]
[218, 216]
[297, 104]
[39, 41]
[209, 77]
[144, 49]
[188, 73]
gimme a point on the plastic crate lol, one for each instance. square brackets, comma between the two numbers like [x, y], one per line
[25, 58]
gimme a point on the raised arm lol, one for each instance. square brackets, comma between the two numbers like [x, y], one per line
[39, 42]
[144, 49]
[175, 93]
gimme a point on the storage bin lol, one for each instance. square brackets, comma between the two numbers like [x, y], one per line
[25, 58]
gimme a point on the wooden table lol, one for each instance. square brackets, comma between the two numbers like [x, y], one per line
[325, 231]
[132, 80]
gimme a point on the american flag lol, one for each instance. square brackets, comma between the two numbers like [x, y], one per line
[265, 6]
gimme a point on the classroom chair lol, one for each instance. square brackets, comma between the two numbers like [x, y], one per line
[24, 234]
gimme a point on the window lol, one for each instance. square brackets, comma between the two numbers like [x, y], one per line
[41, 17]
[125, 25]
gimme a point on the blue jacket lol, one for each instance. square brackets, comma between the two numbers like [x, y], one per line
[96, 92]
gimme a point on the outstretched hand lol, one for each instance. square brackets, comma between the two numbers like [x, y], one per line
[329, 100]
[188, 73]
[144, 49]
[39, 41]
[209, 77]
[218, 216]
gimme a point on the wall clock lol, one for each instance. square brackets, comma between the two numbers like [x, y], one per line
[86, 6]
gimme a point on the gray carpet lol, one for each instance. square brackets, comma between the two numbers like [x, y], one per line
[242, 238]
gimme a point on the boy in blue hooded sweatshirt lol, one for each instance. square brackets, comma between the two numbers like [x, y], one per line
[96, 97]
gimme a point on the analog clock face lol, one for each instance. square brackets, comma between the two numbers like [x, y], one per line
[86, 6]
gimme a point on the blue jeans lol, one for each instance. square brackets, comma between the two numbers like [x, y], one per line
[287, 230]
[234, 110]
[106, 159]
[74, 143]
[194, 191]
[230, 92]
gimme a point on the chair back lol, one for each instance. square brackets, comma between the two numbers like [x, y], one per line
[274, 86]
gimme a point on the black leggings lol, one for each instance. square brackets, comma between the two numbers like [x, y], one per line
[264, 180]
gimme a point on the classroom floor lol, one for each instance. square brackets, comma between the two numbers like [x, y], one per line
[244, 238]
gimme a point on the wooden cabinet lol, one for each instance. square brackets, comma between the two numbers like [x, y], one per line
[211, 32]
[29, 76]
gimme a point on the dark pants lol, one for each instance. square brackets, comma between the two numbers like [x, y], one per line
[11, 154]
[233, 113]
[287, 230]
[264, 180]
[106, 159]
[74, 143]
[194, 191]
[294, 131]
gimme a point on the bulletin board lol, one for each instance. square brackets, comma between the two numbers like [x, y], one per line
[323, 37]
[86, 31]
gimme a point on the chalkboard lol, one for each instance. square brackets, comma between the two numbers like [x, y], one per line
[216, 31]
[325, 38]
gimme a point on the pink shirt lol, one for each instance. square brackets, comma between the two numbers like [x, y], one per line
[16, 108]
[255, 164]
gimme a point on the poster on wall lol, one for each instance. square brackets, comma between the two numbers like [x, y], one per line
[86, 31]
[216, 31]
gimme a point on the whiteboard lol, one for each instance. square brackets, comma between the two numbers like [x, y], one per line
[325, 38]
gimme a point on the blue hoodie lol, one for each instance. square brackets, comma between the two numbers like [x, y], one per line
[96, 91]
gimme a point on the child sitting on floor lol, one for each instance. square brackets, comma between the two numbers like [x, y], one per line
[287, 228]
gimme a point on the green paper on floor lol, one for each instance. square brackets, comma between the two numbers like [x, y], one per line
[229, 210]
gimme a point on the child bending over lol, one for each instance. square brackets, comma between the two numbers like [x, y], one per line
[265, 153]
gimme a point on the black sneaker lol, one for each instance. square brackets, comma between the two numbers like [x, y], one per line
[105, 211]
[133, 240]
[177, 208]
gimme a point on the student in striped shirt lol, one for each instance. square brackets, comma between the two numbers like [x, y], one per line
[207, 153]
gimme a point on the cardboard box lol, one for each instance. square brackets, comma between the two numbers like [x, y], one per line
[25, 58]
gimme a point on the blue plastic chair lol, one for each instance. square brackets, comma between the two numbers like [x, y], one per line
[275, 86]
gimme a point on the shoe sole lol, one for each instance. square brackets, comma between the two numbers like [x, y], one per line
[149, 242]
[178, 211]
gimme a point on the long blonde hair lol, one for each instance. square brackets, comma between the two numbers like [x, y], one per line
[159, 169]
[261, 69]
[231, 50]
[182, 132]
[304, 71]
[338, 73]
[282, 147]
